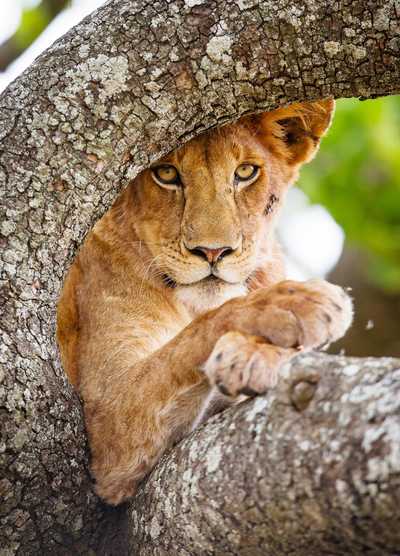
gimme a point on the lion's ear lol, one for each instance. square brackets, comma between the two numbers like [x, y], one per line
[294, 132]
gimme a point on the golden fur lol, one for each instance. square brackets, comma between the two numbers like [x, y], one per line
[145, 331]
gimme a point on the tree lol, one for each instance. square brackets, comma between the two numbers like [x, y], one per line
[313, 468]
[129, 83]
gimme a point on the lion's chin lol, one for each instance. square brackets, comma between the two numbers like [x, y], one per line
[206, 294]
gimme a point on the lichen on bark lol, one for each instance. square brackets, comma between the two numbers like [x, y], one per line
[265, 478]
[132, 81]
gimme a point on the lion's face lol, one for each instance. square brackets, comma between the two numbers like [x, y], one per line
[206, 212]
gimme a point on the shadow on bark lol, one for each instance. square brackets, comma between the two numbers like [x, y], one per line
[131, 82]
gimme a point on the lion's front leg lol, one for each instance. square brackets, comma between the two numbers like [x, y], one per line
[141, 419]
[244, 364]
[289, 317]
[240, 346]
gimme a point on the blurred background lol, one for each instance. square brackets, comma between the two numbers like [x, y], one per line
[341, 222]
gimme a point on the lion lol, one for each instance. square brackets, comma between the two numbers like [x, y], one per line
[177, 306]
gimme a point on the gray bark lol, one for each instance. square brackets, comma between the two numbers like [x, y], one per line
[311, 469]
[129, 83]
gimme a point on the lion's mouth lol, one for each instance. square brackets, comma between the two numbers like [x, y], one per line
[210, 279]
[168, 281]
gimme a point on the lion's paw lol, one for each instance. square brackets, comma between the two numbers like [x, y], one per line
[323, 311]
[241, 364]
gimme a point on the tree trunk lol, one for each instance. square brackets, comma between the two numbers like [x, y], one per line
[131, 82]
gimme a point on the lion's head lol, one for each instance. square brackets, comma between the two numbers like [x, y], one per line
[206, 212]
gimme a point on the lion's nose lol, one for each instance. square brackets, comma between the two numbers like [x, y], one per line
[211, 255]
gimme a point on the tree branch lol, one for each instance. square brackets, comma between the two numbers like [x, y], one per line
[129, 83]
[312, 468]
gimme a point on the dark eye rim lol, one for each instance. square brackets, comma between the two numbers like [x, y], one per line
[256, 170]
[175, 181]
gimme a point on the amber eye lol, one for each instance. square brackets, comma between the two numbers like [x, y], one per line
[246, 172]
[166, 175]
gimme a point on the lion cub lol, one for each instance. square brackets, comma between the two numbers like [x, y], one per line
[179, 288]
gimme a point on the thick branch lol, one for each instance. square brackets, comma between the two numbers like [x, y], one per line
[132, 81]
[279, 475]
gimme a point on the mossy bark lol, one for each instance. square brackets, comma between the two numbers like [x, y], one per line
[311, 469]
[129, 83]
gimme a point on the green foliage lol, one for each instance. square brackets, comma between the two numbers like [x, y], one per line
[33, 22]
[356, 176]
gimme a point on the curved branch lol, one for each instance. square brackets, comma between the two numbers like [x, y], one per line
[129, 83]
[312, 468]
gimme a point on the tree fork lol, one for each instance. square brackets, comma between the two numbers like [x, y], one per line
[131, 82]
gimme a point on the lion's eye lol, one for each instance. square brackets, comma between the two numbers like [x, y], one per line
[246, 172]
[166, 175]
